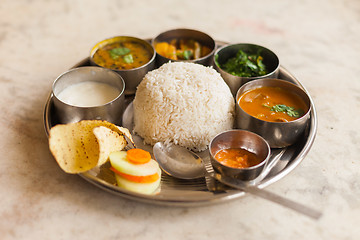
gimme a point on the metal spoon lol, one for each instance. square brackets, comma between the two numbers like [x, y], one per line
[182, 163]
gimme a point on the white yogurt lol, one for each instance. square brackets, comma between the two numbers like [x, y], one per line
[88, 94]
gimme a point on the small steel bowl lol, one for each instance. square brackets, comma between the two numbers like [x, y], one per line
[183, 33]
[277, 134]
[240, 139]
[111, 111]
[270, 60]
[132, 77]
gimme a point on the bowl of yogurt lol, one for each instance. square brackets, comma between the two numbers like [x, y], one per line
[89, 93]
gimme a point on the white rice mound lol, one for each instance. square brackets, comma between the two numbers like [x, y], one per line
[186, 104]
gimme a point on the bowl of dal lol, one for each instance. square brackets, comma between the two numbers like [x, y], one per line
[277, 110]
[128, 56]
[239, 154]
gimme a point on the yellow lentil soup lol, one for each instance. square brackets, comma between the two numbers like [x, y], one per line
[122, 55]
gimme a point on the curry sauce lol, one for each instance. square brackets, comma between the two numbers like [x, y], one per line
[237, 158]
[122, 55]
[273, 104]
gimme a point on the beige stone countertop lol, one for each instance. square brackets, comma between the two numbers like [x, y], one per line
[317, 41]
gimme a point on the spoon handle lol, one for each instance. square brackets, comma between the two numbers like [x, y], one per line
[298, 207]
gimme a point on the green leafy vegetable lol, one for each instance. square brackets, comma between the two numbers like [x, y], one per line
[128, 58]
[115, 53]
[187, 54]
[244, 65]
[288, 110]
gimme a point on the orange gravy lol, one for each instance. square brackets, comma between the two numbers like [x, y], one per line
[237, 158]
[268, 104]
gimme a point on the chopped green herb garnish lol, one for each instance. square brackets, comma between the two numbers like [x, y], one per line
[115, 53]
[244, 65]
[187, 54]
[288, 110]
[128, 58]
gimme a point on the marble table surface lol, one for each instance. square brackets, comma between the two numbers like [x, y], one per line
[317, 41]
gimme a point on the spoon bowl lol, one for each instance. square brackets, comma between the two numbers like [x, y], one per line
[178, 161]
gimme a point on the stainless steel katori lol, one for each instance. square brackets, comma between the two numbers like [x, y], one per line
[132, 77]
[240, 139]
[277, 134]
[270, 60]
[183, 33]
[111, 111]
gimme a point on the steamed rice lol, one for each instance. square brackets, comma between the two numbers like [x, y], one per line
[183, 103]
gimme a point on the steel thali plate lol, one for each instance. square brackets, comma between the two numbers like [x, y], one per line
[189, 193]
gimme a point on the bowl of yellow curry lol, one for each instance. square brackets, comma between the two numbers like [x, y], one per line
[130, 57]
[277, 110]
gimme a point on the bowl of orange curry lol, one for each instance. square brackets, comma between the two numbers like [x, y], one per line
[239, 154]
[130, 57]
[277, 110]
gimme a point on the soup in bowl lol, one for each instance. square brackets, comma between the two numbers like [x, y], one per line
[275, 109]
[128, 56]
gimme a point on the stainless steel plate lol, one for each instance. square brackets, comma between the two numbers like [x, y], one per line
[176, 192]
